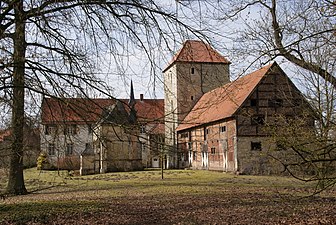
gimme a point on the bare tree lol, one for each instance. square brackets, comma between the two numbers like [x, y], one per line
[305, 153]
[54, 48]
[302, 32]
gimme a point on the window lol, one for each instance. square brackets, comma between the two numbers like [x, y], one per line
[222, 129]
[89, 129]
[51, 149]
[69, 149]
[142, 129]
[143, 147]
[88, 146]
[185, 135]
[253, 102]
[192, 97]
[50, 129]
[275, 102]
[256, 146]
[213, 150]
[189, 146]
[194, 155]
[192, 70]
[258, 120]
[70, 130]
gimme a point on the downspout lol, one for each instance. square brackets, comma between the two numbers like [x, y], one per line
[226, 149]
[235, 148]
[101, 158]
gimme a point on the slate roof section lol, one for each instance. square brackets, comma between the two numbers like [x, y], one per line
[83, 110]
[224, 101]
[198, 52]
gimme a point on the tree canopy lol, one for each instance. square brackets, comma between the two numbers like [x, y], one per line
[54, 48]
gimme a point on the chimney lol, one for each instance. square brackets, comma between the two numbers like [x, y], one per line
[141, 97]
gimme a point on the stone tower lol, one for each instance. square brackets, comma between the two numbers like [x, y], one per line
[194, 70]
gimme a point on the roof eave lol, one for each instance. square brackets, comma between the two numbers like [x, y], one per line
[206, 123]
[175, 61]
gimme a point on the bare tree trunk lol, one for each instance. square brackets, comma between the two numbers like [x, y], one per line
[286, 51]
[161, 166]
[15, 180]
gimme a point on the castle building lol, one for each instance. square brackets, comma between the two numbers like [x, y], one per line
[212, 123]
[74, 131]
[205, 121]
[194, 70]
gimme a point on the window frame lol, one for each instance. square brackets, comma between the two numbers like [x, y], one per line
[69, 149]
[222, 129]
[184, 135]
[51, 149]
[192, 70]
[194, 155]
[143, 147]
[90, 130]
[70, 129]
[50, 129]
[142, 129]
[256, 146]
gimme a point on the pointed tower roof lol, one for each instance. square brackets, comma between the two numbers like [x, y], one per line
[132, 114]
[197, 51]
[131, 101]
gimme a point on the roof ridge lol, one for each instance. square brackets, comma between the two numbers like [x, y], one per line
[241, 78]
[236, 92]
[199, 51]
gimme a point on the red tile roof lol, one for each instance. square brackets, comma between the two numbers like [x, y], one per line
[197, 51]
[224, 101]
[150, 109]
[69, 110]
[80, 110]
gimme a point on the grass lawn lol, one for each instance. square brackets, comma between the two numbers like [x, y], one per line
[182, 197]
